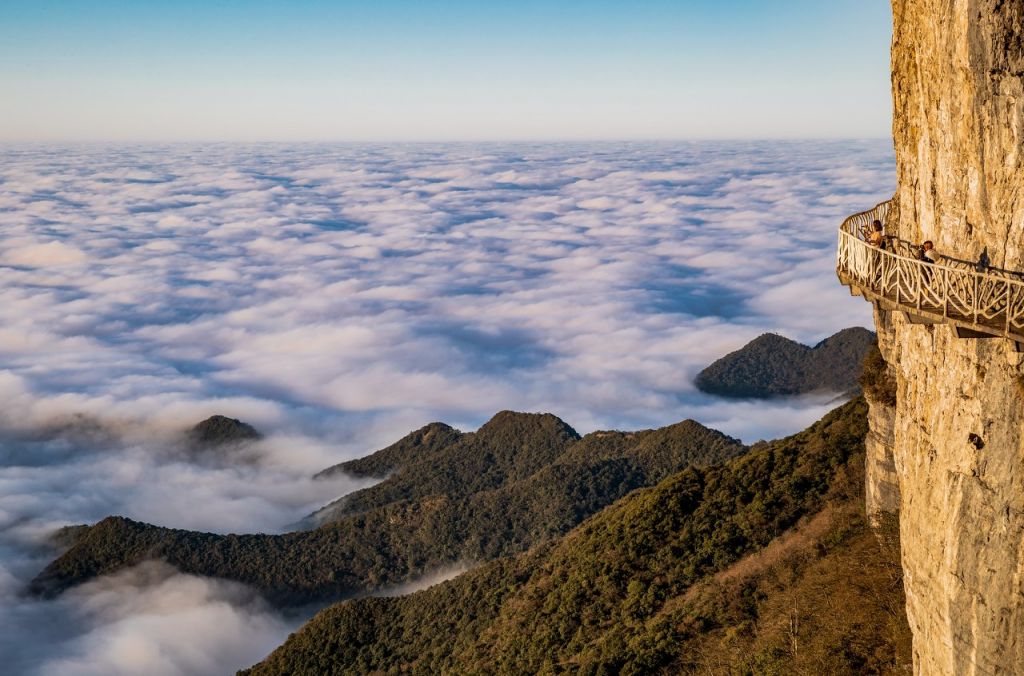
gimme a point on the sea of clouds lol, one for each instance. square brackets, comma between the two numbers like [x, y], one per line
[339, 296]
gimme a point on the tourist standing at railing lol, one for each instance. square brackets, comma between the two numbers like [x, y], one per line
[877, 238]
[927, 253]
[874, 235]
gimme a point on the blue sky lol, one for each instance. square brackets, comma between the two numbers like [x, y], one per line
[402, 70]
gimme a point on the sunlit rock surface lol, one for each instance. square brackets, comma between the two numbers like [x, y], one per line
[957, 89]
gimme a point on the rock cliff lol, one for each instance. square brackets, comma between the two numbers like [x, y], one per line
[957, 74]
[878, 381]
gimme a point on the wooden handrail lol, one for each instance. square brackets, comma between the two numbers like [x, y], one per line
[990, 302]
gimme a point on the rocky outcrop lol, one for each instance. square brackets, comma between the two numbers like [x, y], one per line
[878, 381]
[882, 491]
[881, 484]
[958, 429]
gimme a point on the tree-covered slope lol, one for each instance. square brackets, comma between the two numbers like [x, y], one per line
[508, 447]
[415, 445]
[520, 480]
[772, 365]
[825, 598]
[657, 582]
[218, 430]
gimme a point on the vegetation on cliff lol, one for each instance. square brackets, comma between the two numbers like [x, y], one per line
[876, 380]
[772, 365]
[690, 575]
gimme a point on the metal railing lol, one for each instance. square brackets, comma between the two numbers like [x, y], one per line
[989, 302]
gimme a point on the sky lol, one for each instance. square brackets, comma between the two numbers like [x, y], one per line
[396, 70]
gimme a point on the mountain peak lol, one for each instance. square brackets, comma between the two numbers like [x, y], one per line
[410, 448]
[515, 422]
[218, 430]
[772, 339]
[856, 335]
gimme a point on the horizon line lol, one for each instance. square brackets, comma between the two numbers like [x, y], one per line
[433, 141]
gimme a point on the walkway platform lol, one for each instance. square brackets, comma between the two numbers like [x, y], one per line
[977, 304]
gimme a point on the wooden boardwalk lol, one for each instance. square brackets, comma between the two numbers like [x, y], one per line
[978, 304]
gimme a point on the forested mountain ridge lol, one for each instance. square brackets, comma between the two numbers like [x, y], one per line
[422, 442]
[772, 365]
[508, 447]
[520, 480]
[637, 588]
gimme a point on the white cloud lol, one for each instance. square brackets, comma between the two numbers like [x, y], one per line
[50, 254]
[340, 296]
[148, 620]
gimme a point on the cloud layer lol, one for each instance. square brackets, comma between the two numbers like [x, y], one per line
[148, 620]
[340, 296]
[448, 282]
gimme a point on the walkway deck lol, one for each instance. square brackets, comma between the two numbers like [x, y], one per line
[987, 304]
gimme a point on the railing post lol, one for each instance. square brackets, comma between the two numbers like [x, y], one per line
[920, 290]
[886, 274]
[945, 293]
[1007, 309]
[878, 280]
[897, 285]
[974, 299]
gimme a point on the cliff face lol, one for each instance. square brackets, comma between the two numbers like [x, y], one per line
[881, 483]
[959, 108]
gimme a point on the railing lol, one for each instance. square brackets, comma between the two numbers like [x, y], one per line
[989, 302]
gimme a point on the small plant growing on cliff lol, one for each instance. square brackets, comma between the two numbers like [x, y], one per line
[877, 381]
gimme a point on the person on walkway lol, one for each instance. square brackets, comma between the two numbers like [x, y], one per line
[875, 237]
[928, 252]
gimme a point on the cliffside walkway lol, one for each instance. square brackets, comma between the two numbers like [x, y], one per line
[987, 304]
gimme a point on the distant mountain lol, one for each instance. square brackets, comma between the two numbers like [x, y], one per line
[733, 568]
[218, 430]
[520, 480]
[772, 365]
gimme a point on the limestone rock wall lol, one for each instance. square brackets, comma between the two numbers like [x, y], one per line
[881, 483]
[958, 98]
[882, 491]
[961, 507]
[958, 69]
